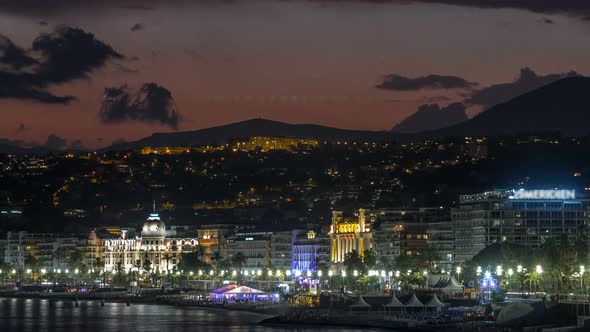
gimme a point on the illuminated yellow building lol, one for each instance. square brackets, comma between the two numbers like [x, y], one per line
[348, 235]
[273, 143]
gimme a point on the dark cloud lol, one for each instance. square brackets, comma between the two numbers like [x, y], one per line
[137, 27]
[55, 142]
[546, 6]
[43, 23]
[402, 83]
[152, 103]
[13, 57]
[527, 81]
[546, 20]
[432, 116]
[61, 56]
[71, 53]
[44, 6]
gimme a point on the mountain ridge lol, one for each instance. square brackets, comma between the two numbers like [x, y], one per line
[562, 106]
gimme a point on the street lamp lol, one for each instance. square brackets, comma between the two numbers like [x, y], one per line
[459, 273]
[478, 270]
[539, 269]
[499, 270]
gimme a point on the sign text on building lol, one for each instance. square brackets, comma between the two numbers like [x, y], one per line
[544, 194]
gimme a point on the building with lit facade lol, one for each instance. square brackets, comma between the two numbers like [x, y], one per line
[42, 246]
[406, 231]
[213, 239]
[254, 246]
[348, 234]
[154, 246]
[309, 249]
[523, 217]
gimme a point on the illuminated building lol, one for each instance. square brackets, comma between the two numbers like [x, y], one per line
[281, 246]
[265, 144]
[213, 239]
[347, 235]
[254, 246]
[154, 246]
[523, 217]
[406, 231]
[309, 249]
[19, 245]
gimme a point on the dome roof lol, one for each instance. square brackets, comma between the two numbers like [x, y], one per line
[153, 226]
[92, 236]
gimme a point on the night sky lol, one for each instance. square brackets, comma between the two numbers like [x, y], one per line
[185, 65]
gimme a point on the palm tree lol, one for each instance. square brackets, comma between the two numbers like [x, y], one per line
[62, 254]
[239, 260]
[99, 266]
[533, 279]
[137, 265]
[216, 258]
[147, 265]
[32, 262]
[76, 259]
[201, 250]
[167, 257]
[429, 257]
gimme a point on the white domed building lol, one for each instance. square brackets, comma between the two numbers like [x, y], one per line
[152, 251]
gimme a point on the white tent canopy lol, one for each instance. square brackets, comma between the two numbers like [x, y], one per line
[394, 302]
[434, 302]
[414, 302]
[445, 283]
[361, 303]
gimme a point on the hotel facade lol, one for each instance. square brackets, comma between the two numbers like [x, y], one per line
[347, 235]
[523, 217]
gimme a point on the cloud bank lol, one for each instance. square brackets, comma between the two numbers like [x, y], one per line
[432, 81]
[64, 55]
[152, 103]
